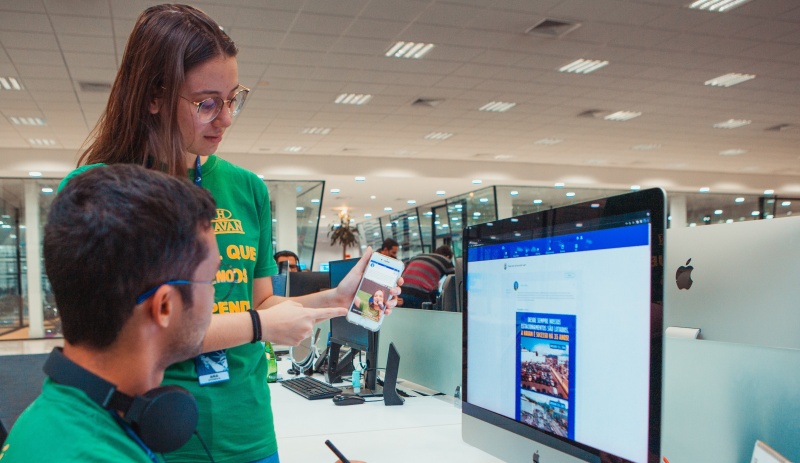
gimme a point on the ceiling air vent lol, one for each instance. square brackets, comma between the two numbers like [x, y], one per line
[782, 128]
[428, 102]
[95, 87]
[553, 28]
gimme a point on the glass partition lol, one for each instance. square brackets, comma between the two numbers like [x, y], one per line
[295, 209]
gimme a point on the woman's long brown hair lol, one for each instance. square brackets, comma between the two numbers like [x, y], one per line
[167, 42]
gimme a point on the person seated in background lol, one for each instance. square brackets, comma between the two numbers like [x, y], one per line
[422, 275]
[132, 259]
[291, 259]
[390, 247]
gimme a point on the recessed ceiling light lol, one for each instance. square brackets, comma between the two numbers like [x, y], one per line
[720, 6]
[299, 208]
[316, 130]
[34, 174]
[353, 98]
[729, 80]
[45, 190]
[42, 141]
[786, 203]
[411, 201]
[738, 200]
[10, 83]
[718, 212]
[484, 200]
[27, 120]
[373, 197]
[361, 179]
[497, 106]
[514, 193]
[769, 192]
[441, 193]
[293, 149]
[537, 201]
[387, 209]
[636, 187]
[548, 141]
[755, 213]
[477, 181]
[731, 124]
[570, 194]
[622, 116]
[733, 152]
[704, 189]
[413, 50]
[315, 201]
[559, 185]
[438, 136]
[646, 147]
[335, 191]
[583, 66]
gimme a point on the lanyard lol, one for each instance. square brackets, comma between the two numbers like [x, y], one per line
[198, 174]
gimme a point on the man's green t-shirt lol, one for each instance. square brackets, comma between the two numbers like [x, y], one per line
[236, 415]
[63, 424]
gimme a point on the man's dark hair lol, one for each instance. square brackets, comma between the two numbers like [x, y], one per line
[113, 233]
[444, 251]
[389, 243]
[286, 254]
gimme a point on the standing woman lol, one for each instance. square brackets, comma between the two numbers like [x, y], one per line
[176, 92]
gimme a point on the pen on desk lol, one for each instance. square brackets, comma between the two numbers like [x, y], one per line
[337, 452]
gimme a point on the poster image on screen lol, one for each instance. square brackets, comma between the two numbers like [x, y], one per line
[546, 359]
[369, 305]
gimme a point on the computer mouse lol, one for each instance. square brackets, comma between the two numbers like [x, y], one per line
[346, 399]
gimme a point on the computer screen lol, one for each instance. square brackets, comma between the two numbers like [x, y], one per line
[344, 333]
[562, 332]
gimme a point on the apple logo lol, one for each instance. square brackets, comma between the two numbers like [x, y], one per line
[683, 277]
[536, 457]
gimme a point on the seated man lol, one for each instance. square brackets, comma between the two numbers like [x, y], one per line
[422, 274]
[390, 247]
[132, 260]
[291, 259]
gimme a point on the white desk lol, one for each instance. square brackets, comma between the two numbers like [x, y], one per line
[424, 429]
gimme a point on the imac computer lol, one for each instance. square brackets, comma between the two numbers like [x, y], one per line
[562, 343]
[362, 342]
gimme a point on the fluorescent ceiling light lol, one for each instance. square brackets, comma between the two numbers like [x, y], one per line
[10, 83]
[46, 190]
[718, 212]
[335, 191]
[739, 200]
[27, 120]
[315, 201]
[316, 130]
[477, 181]
[537, 201]
[636, 187]
[720, 6]
[583, 66]
[559, 185]
[411, 201]
[729, 80]
[35, 174]
[438, 136]
[786, 203]
[440, 193]
[732, 124]
[769, 192]
[570, 194]
[514, 193]
[497, 106]
[409, 50]
[705, 189]
[548, 141]
[299, 208]
[387, 209]
[622, 116]
[361, 179]
[484, 200]
[42, 141]
[293, 149]
[353, 98]
[501, 157]
[367, 215]
[755, 213]
[733, 152]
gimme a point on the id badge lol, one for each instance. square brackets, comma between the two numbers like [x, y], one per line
[212, 367]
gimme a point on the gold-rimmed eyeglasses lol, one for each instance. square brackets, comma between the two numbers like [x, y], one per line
[209, 109]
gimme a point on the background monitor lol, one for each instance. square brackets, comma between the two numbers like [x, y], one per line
[302, 283]
[563, 332]
[357, 338]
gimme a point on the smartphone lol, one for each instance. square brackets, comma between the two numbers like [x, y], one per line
[368, 305]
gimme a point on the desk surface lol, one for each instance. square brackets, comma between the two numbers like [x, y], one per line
[423, 429]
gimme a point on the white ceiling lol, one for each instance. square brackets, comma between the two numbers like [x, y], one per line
[298, 56]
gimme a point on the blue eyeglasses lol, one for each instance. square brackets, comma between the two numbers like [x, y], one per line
[225, 279]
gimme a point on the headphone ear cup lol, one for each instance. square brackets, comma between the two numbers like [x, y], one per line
[164, 418]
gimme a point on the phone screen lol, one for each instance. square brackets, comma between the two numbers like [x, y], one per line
[373, 292]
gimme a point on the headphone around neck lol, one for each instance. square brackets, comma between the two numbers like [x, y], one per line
[164, 418]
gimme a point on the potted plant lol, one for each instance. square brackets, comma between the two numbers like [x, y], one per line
[343, 234]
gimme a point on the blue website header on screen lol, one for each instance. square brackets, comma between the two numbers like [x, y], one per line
[561, 320]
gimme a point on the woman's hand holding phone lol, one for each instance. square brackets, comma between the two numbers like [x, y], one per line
[377, 291]
[346, 291]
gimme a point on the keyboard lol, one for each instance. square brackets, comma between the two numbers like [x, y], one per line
[310, 388]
